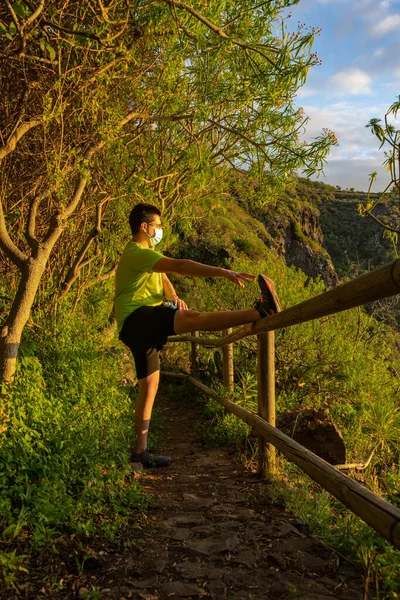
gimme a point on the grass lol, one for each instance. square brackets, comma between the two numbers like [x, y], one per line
[340, 529]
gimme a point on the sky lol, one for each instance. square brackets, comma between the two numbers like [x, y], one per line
[359, 78]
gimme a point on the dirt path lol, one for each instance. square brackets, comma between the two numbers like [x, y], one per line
[217, 534]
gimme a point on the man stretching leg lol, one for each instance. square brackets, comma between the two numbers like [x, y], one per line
[145, 319]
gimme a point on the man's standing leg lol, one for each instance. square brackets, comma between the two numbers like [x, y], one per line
[148, 387]
[147, 392]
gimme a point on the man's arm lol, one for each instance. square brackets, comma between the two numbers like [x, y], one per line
[169, 290]
[170, 293]
[182, 266]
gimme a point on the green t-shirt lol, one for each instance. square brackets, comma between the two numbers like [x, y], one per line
[135, 283]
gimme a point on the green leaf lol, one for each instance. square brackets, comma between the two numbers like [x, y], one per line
[51, 51]
[3, 28]
[8, 530]
[45, 46]
[12, 29]
[82, 40]
[21, 10]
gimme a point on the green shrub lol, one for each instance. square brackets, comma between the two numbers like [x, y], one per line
[64, 448]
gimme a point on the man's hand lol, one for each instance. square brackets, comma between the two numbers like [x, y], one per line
[237, 277]
[179, 303]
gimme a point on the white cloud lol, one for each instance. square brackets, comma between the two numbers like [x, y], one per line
[378, 52]
[351, 81]
[347, 120]
[387, 25]
[355, 174]
[394, 84]
[358, 154]
[306, 91]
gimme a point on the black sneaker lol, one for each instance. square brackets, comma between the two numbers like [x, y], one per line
[151, 460]
[269, 303]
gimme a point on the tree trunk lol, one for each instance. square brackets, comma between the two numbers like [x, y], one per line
[10, 334]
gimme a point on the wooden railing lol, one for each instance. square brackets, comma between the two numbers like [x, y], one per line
[375, 285]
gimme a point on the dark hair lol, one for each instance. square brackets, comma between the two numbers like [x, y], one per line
[142, 213]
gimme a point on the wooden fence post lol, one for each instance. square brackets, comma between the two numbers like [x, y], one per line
[228, 368]
[194, 351]
[266, 398]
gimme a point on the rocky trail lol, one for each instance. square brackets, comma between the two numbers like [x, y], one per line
[215, 533]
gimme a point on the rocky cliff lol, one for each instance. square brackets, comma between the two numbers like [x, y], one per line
[354, 243]
[318, 228]
[297, 235]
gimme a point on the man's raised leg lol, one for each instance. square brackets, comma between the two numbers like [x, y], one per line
[191, 320]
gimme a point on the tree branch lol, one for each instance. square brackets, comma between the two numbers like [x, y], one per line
[46, 61]
[7, 245]
[15, 20]
[90, 36]
[16, 136]
[104, 14]
[357, 466]
[100, 278]
[34, 15]
[93, 282]
[166, 118]
[160, 177]
[103, 69]
[79, 263]
[218, 30]
[237, 133]
[387, 227]
[20, 110]
[30, 233]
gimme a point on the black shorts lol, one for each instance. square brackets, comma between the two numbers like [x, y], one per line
[145, 332]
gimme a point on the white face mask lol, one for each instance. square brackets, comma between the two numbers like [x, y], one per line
[158, 234]
[157, 237]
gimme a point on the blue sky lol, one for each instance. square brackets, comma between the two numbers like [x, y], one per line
[359, 78]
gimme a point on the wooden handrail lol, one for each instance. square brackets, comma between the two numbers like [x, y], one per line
[212, 342]
[228, 367]
[372, 509]
[375, 285]
[194, 359]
